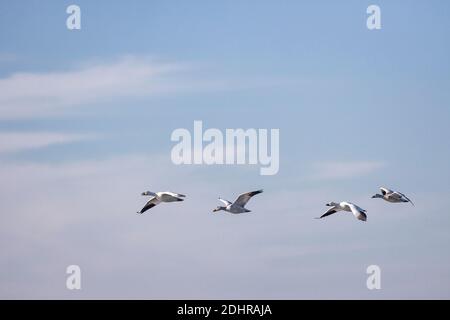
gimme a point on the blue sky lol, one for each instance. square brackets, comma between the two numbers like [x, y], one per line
[85, 124]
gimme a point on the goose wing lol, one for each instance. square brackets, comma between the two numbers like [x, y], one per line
[328, 212]
[172, 194]
[180, 195]
[150, 204]
[242, 200]
[357, 212]
[401, 195]
[385, 191]
[226, 202]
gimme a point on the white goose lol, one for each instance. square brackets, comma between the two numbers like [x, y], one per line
[358, 212]
[392, 196]
[159, 197]
[237, 206]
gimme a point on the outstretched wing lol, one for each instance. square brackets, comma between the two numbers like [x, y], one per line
[242, 200]
[174, 194]
[328, 212]
[402, 195]
[358, 212]
[225, 202]
[150, 204]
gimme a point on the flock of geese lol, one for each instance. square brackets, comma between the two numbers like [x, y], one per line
[238, 206]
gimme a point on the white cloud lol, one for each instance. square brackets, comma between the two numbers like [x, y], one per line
[343, 170]
[33, 95]
[38, 94]
[22, 141]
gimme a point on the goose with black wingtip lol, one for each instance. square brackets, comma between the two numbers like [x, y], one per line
[392, 196]
[238, 206]
[158, 197]
[358, 212]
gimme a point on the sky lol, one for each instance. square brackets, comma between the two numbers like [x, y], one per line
[86, 118]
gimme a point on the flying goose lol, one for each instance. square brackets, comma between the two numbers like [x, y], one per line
[359, 213]
[237, 206]
[158, 197]
[392, 196]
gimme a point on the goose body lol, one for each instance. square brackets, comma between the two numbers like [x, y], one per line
[238, 206]
[392, 196]
[158, 197]
[358, 212]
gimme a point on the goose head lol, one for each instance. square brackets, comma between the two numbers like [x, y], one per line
[219, 208]
[377, 196]
[332, 204]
